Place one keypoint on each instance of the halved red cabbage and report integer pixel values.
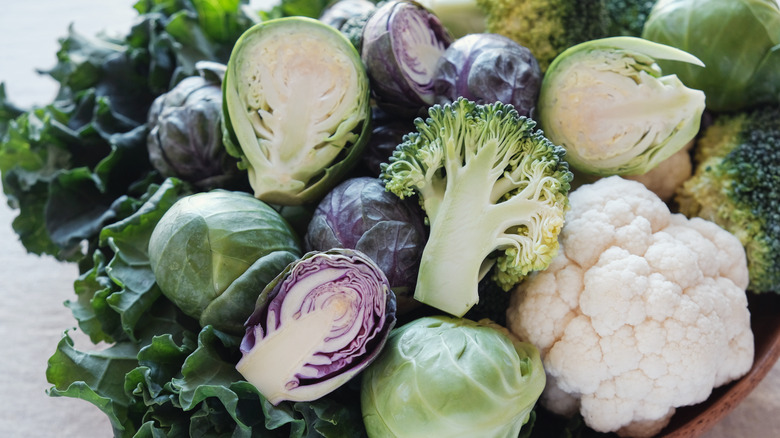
(317, 325)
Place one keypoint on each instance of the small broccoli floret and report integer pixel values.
(494, 191)
(546, 27)
(627, 17)
(737, 185)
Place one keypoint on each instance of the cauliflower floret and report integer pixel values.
(642, 311)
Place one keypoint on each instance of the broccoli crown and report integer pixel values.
(737, 186)
(494, 190)
(627, 17)
(546, 27)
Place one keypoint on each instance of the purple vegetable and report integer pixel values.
(185, 135)
(360, 214)
(402, 42)
(316, 325)
(488, 68)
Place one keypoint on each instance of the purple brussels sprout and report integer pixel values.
(319, 323)
(185, 135)
(349, 17)
(360, 214)
(488, 68)
(402, 43)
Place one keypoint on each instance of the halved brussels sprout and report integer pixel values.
(296, 108)
(608, 104)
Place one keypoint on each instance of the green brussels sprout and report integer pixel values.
(738, 41)
(606, 102)
(213, 253)
(296, 108)
(453, 377)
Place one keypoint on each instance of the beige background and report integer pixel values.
(32, 289)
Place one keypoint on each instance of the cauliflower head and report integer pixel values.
(642, 311)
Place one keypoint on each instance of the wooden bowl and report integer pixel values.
(692, 421)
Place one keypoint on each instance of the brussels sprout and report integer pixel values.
(402, 42)
(296, 108)
(349, 17)
(360, 214)
(608, 104)
(212, 253)
(460, 17)
(453, 377)
(185, 134)
(319, 323)
(737, 40)
(488, 68)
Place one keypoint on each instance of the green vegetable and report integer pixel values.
(74, 165)
(738, 41)
(443, 376)
(213, 253)
(296, 108)
(546, 27)
(460, 17)
(627, 17)
(736, 184)
(494, 192)
(608, 104)
(161, 375)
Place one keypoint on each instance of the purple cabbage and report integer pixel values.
(488, 68)
(360, 214)
(402, 42)
(319, 323)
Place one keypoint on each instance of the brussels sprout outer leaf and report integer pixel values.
(229, 309)
(635, 45)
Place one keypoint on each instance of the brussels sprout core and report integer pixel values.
(297, 101)
(606, 102)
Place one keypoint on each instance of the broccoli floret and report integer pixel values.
(627, 17)
(494, 190)
(546, 27)
(736, 184)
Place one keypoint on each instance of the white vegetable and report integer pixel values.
(642, 311)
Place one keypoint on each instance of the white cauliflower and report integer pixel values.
(641, 312)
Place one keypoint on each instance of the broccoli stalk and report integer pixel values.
(494, 191)
(736, 184)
